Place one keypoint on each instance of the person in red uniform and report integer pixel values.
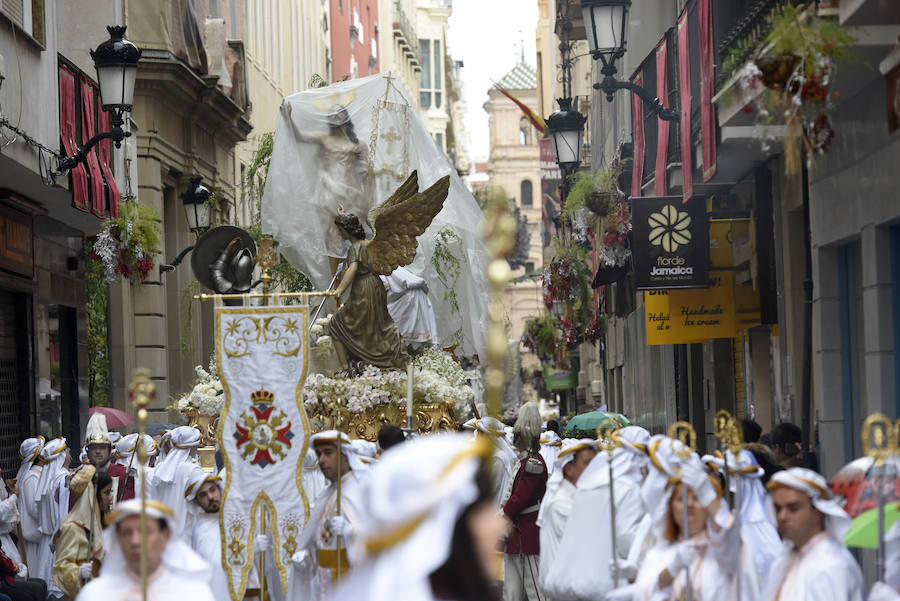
(99, 452)
(523, 499)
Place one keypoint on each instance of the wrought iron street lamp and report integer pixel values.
(197, 210)
(606, 23)
(196, 206)
(567, 130)
(116, 62)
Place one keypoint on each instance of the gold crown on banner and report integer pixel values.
(262, 397)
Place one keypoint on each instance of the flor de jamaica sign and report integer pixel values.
(671, 242)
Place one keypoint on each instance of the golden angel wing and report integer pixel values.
(398, 226)
(406, 191)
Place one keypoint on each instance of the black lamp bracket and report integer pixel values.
(171, 266)
(116, 134)
(610, 85)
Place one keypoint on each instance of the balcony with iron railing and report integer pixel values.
(406, 35)
(740, 28)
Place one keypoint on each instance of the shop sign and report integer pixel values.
(719, 311)
(688, 316)
(551, 177)
(560, 379)
(671, 242)
(16, 242)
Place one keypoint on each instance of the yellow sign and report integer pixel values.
(719, 311)
(688, 316)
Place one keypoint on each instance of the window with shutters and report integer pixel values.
(28, 16)
(93, 185)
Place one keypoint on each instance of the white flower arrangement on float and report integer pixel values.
(207, 396)
(438, 378)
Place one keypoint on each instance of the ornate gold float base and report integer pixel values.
(208, 425)
(427, 417)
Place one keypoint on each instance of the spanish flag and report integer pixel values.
(536, 120)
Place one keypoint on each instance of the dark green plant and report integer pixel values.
(96, 306)
(285, 277)
(448, 267)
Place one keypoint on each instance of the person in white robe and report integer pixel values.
(27, 482)
(312, 479)
(53, 506)
(170, 477)
(760, 543)
(126, 456)
(707, 561)
(574, 574)
(504, 454)
(204, 495)
(574, 456)
(430, 525)
(410, 308)
(174, 570)
(321, 557)
(660, 462)
(551, 444)
(889, 589)
(814, 564)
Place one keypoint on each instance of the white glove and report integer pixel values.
(883, 592)
(684, 555)
(341, 527)
(300, 557)
(623, 569)
(86, 570)
(263, 543)
(695, 475)
(23, 571)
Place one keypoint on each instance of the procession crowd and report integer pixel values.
(492, 512)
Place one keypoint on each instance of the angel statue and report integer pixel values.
(343, 176)
(362, 326)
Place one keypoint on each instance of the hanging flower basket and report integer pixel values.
(599, 203)
(775, 71)
(126, 245)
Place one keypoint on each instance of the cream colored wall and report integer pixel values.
(431, 23)
(393, 59)
(286, 43)
(509, 164)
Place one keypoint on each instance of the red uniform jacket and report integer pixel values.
(116, 471)
(522, 506)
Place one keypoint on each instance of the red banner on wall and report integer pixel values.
(637, 119)
(67, 133)
(707, 89)
(662, 140)
(684, 88)
(98, 189)
(105, 152)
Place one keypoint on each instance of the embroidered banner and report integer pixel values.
(707, 89)
(637, 118)
(684, 89)
(262, 353)
(97, 188)
(662, 127)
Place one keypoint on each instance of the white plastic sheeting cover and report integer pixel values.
(307, 182)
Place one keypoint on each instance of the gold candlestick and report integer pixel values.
(141, 392)
(266, 257)
(500, 230)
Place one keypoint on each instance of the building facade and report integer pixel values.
(356, 33)
(48, 92)
(513, 170)
(190, 111)
(814, 340)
